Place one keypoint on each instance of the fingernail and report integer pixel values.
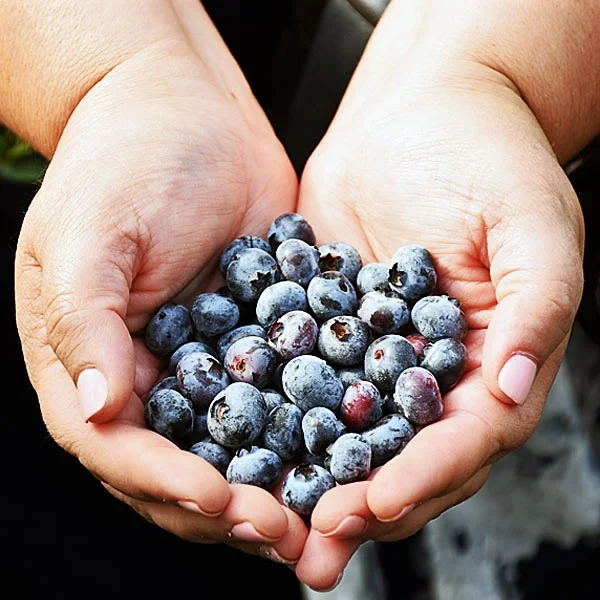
(193, 507)
(351, 526)
(398, 515)
(272, 554)
(516, 377)
(337, 582)
(92, 389)
(247, 532)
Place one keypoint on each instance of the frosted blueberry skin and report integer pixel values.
(373, 277)
(199, 428)
(437, 317)
(342, 257)
(170, 327)
(170, 414)
(304, 485)
(387, 438)
(418, 396)
(309, 381)
(293, 334)
(239, 244)
(350, 375)
(384, 313)
(280, 298)
(214, 314)
(251, 360)
(186, 349)
(446, 359)
(237, 415)
(343, 340)
(236, 334)
(273, 399)
(412, 272)
(305, 457)
(250, 273)
(361, 406)
(320, 428)
(386, 358)
(213, 453)
(331, 294)
(201, 377)
(255, 466)
(166, 383)
(349, 458)
(283, 431)
(298, 261)
(290, 226)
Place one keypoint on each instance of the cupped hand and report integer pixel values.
(161, 164)
(450, 158)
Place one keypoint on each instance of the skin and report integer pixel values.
(451, 134)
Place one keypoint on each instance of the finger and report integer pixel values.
(536, 268)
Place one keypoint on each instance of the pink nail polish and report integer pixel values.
(351, 526)
(516, 377)
(246, 531)
(92, 389)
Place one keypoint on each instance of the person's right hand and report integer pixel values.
(166, 159)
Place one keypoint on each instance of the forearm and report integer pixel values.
(52, 53)
(549, 50)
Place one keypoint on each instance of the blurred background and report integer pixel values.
(532, 532)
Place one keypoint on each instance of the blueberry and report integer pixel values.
(237, 415)
(387, 438)
(385, 313)
(201, 377)
(166, 383)
(320, 428)
(239, 244)
(303, 486)
(418, 395)
(305, 457)
(361, 406)
(290, 226)
(342, 257)
(437, 317)
(373, 277)
(309, 381)
(278, 299)
(293, 334)
(188, 349)
(214, 314)
(236, 334)
(446, 359)
(349, 458)
(412, 272)
(213, 453)
(170, 327)
(283, 431)
(273, 399)
(170, 414)
(331, 294)
(250, 273)
(199, 428)
(386, 358)
(298, 261)
(418, 342)
(350, 375)
(343, 340)
(251, 360)
(255, 466)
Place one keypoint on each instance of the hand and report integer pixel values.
(450, 157)
(162, 163)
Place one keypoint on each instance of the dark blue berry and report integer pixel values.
(170, 414)
(239, 244)
(290, 226)
(387, 438)
(199, 428)
(278, 299)
(412, 272)
(303, 486)
(237, 415)
(166, 383)
(283, 431)
(331, 294)
(437, 317)
(385, 313)
(251, 360)
(343, 340)
(342, 257)
(349, 458)
(255, 466)
(298, 261)
(188, 349)
(373, 277)
(293, 334)
(273, 399)
(320, 428)
(350, 375)
(214, 314)
(236, 334)
(201, 377)
(446, 359)
(418, 396)
(386, 358)
(250, 273)
(213, 453)
(170, 327)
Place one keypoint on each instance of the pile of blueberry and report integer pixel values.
(307, 368)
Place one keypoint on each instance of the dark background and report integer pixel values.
(64, 537)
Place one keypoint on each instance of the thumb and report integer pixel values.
(536, 267)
